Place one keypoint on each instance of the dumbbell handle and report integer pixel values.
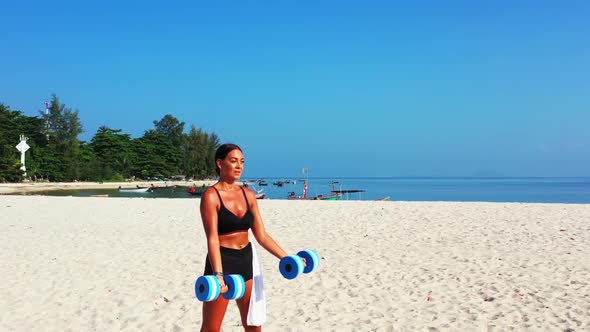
(304, 262)
(208, 288)
(223, 286)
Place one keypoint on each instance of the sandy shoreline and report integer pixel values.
(12, 188)
(129, 264)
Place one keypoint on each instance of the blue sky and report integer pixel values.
(345, 88)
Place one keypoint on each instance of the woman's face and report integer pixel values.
(231, 166)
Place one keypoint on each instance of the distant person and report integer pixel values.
(228, 211)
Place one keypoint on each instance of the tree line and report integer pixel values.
(56, 153)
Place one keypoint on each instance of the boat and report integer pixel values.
(262, 183)
(153, 188)
(282, 182)
(331, 197)
(341, 191)
(134, 190)
(197, 191)
(248, 183)
(259, 193)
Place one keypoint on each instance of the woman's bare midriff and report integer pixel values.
(236, 240)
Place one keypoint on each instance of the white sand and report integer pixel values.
(129, 264)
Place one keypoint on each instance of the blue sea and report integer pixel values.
(535, 190)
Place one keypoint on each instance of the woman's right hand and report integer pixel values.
(224, 287)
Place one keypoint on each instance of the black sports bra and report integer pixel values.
(228, 222)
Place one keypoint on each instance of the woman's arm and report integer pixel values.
(259, 231)
(209, 207)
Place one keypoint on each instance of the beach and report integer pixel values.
(32, 187)
(129, 264)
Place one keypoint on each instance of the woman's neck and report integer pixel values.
(227, 186)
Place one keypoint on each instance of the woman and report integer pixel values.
(228, 211)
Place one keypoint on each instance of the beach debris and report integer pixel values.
(571, 238)
(519, 294)
(165, 299)
(489, 298)
(563, 230)
(428, 297)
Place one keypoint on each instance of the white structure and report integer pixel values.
(47, 124)
(23, 147)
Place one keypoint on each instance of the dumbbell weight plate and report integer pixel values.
(312, 260)
(291, 266)
(207, 288)
(236, 287)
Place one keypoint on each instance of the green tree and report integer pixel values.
(91, 167)
(57, 154)
(64, 128)
(9, 138)
(193, 161)
(212, 144)
(113, 151)
(156, 155)
(12, 125)
(170, 127)
(199, 153)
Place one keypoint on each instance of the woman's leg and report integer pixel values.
(213, 313)
(244, 305)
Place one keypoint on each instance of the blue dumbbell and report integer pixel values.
(292, 266)
(207, 288)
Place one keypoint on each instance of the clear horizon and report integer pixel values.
(346, 89)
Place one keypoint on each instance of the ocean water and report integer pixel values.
(535, 190)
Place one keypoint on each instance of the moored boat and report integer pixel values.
(197, 191)
(331, 197)
(342, 192)
(134, 190)
(259, 193)
(162, 187)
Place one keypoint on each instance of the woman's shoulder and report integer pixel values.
(248, 191)
(250, 194)
(210, 194)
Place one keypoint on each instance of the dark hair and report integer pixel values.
(222, 151)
